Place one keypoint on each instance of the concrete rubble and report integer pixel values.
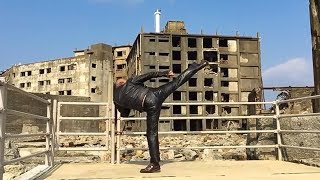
(187, 141)
(15, 149)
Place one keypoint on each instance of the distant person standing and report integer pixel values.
(132, 94)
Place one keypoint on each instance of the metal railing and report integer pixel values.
(276, 131)
(114, 133)
(109, 123)
(281, 116)
(4, 111)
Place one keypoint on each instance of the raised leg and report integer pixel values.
(165, 90)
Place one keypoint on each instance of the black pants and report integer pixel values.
(153, 103)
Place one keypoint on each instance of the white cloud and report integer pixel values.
(294, 72)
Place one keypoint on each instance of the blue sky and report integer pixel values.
(36, 30)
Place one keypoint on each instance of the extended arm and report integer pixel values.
(145, 77)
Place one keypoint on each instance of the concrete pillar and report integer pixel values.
(315, 33)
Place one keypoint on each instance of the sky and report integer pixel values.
(38, 30)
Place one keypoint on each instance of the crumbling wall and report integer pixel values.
(302, 105)
(301, 139)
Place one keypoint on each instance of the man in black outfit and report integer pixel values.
(132, 94)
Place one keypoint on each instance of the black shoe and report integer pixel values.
(151, 168)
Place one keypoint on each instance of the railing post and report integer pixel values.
(112, 135)
(107, 121)
(118, 136)
(48, 155)
(279, 142)
(54, 125)
(58, 125)
(3, 118)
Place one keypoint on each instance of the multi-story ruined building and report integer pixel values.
(120, 54)
(233, 74)
(86, 74)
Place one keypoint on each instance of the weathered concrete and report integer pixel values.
(17, 124)
(86, 74)
(301, 139)
(234, 71)
(240, 170)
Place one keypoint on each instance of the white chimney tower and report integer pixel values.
(157, 20)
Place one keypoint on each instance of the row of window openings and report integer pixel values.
(193, 96)
(193, 109)
(192, 42)
(41, 83)
(69, 67)
(48, 82)
(211, 56)
(47, 70)
(176, 68)
(67, 92)
(208, 82)
(195, 125)
(63, 80)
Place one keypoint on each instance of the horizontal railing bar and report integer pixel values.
(83, 118)
(25, 157)
(27, 94)
(25, 135)
(299, 147)
(204, 147)
(82, 149)
(204, 132)
(297, 99)
(83, 103)
(24, 114)
(80, 134)
(299, 131)
(298, 115)
(217, 103)
(199, 117)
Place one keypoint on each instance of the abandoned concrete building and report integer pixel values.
(120, 54)
(85, 74)
(233, 74)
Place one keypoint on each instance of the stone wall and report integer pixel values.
(301, 139)
(302, 105)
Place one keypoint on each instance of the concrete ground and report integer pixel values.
(196, 170)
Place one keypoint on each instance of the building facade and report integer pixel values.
(86, 74)
(120, 54)
(233, 74)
